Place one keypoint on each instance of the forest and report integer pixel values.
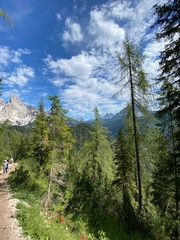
(80, 182)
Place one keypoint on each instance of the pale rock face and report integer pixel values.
(16, 112)
(2, 104)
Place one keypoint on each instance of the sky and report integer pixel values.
(69, 49)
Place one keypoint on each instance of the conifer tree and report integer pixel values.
(41, 136)
(167, 18)
(125, 173)
(124, 156)
(95, 171)
(14, 142)
(162, 175)
(133, 75)
(170, 111)
(99, 153)
(61, 142)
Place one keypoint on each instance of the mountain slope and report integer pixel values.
(115, 123)
(16, 112)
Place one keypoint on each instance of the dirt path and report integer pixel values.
(9, 229)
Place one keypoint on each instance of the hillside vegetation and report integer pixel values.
(81, 183)
(78, 183)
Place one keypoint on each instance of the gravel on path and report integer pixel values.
(9, 227)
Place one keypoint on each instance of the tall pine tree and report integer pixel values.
(61, 143)
(41, 136)
(133, 75)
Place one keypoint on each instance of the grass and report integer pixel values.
(25, 186)
(35, 225)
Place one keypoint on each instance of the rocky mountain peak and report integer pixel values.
(2, 103)
(16, 112)
(108, 116)
(14, 99)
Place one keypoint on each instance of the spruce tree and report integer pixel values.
(167, 18)
(94, 171)
(168, 26)
(61, 143)
(162, 175)
(125, 173)
(41, 136)
(168, 100)
(100, 153)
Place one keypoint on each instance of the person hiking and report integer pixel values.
(10, 161)
(5, 167)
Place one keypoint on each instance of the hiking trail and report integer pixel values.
(9, 227)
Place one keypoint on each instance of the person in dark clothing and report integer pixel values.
(5, 167)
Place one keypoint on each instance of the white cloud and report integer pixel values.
(106, 32)
(120, 9)
(152, 53)
(58, 16)
(58, 82)
(81, 82)
(12, 69)
(72, 32)
(140, 20)
(80, 66)
(114, 18)
(5, 55)
(84, 80)
(153, 49)
(20, 76)
(81, 101)
(8, 56)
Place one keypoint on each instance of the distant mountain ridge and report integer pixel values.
(16, 112)
(116, 122)
(108, 116)
(19, 114)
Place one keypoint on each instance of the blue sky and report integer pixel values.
(68, 48)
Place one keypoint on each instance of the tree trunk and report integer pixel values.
(175, 166)
(48, 197)
(135, 135)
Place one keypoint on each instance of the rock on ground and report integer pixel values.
(9, 227)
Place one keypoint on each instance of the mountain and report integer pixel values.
(116, 122)
(19, 114)
(112, 122)
(108, 116)
(16, 112)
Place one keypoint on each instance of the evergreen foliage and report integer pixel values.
(80, 182)
(90, 187)
(96, 172)
(126, 174)
(60, 144)
(167, 17)
(41, 136)
(82, 133)
(9, 142)
(133, 76)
